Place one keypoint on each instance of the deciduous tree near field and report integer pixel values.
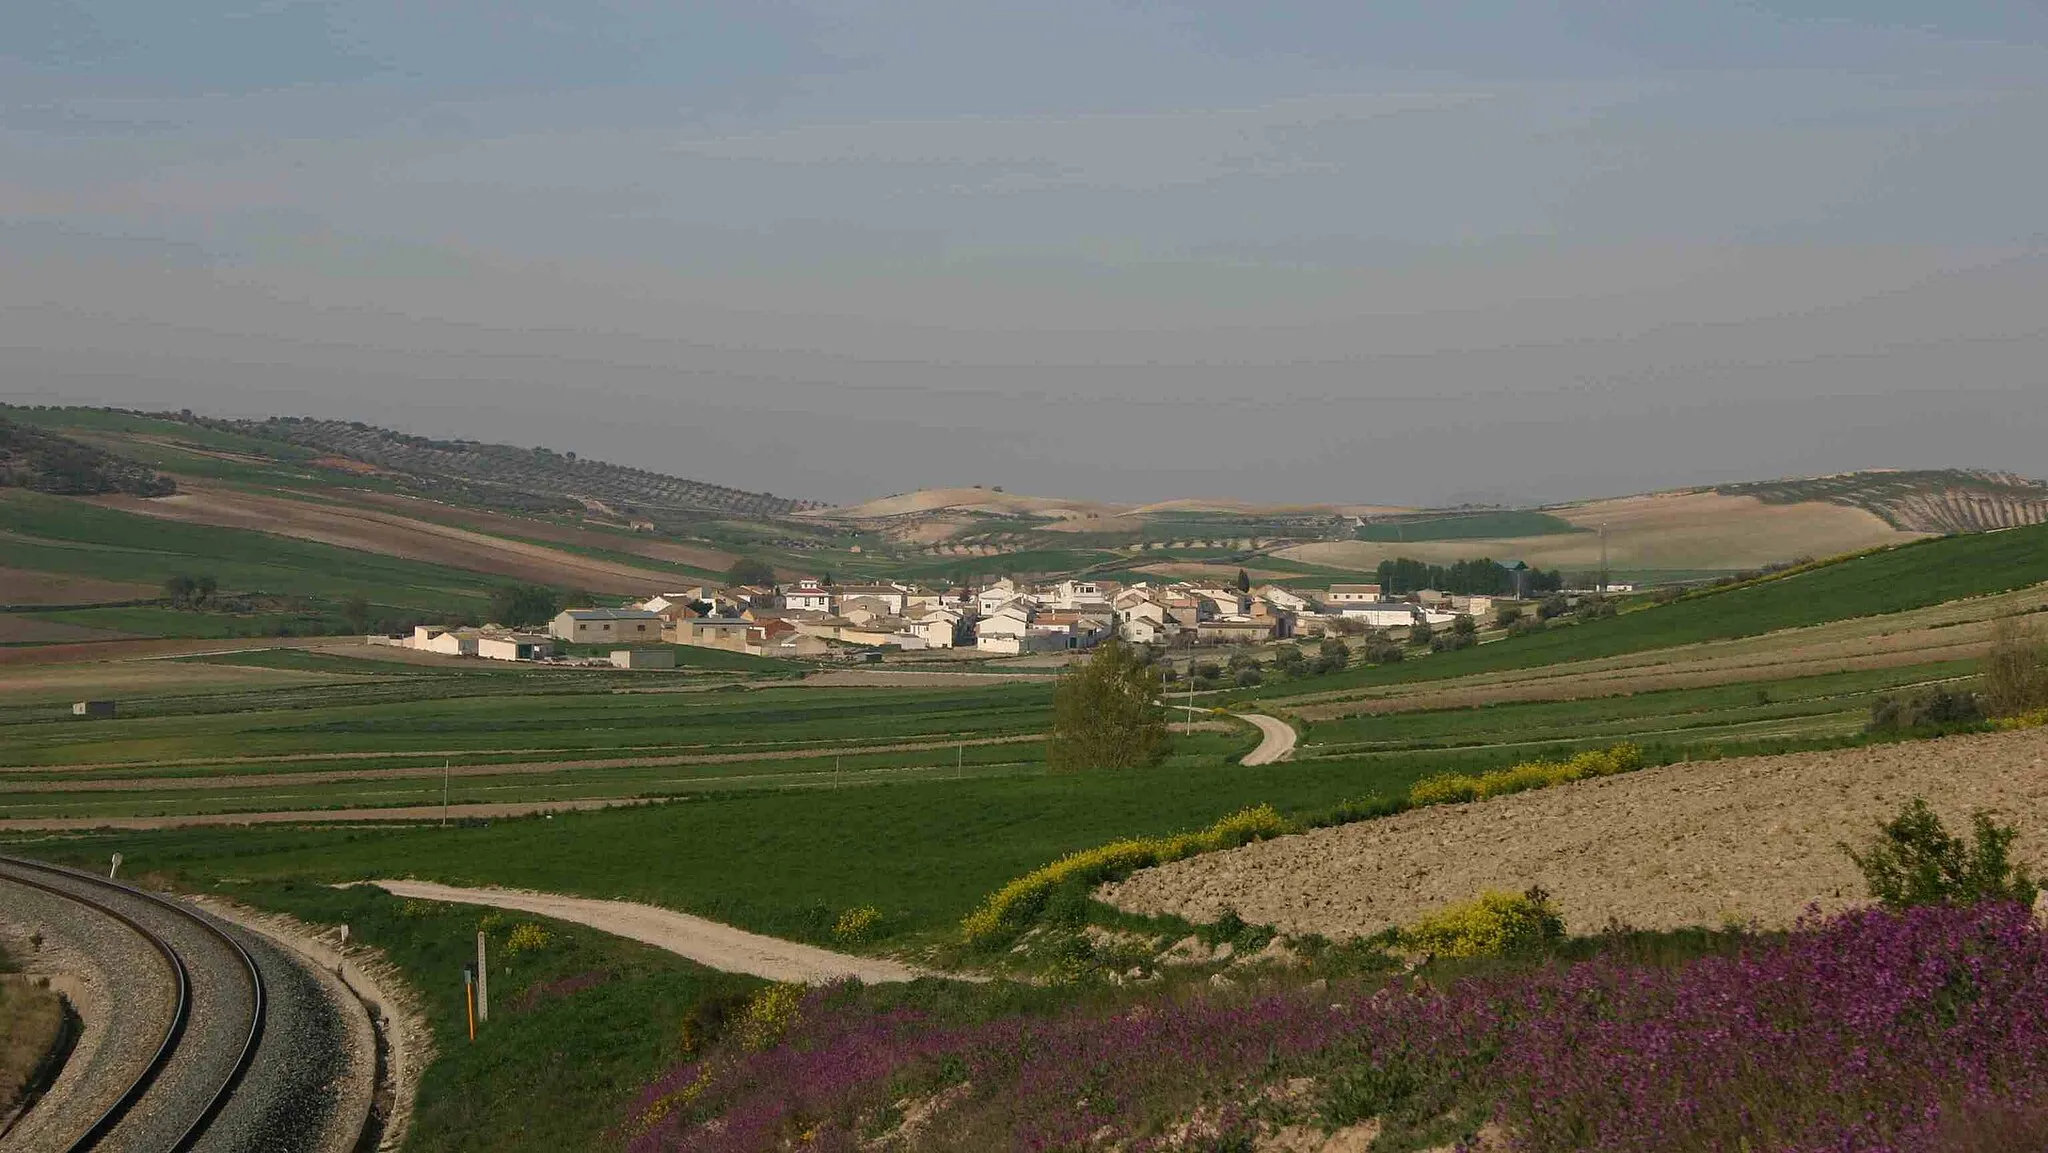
(2016, 668)
(355, 611)
(748, 571)
(524, 605)
(1106, 713)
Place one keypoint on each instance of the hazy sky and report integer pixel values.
(1387, 251)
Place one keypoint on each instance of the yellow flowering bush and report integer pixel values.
(1010, 908)
(769, 1014)
(857, 924)
(1450, 788)
(527, 937)
(2031, 720)
(1493, 924)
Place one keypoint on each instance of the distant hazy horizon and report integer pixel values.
(1294, 253)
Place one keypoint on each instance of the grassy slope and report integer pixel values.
(55, 534)
(481, 714)
(1907, 577)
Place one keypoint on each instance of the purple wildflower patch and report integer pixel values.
(1912, 1032)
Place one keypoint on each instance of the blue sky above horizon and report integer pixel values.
(1406, 252)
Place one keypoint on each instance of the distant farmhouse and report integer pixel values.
(605, 626)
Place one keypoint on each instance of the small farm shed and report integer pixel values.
(644, 659)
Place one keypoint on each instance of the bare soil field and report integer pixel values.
(1700, 843)
(389, 534)
(21, 630)
(505, 524)
(1676, 531)
(23, 587)
(32, 684)
(933, 500)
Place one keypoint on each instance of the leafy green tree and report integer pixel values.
(1381, 649)
(178, 590)
(1420, 633)
(2016, 668)
(748, 571)
(1244, 581)
(524, 606)
(1106, 713)
(1465, 626)
(1287, 659)
(1249, 676)
(1914, 860)
(1332, 655)
(355, 610)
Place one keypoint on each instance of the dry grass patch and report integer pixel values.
(31, 1019)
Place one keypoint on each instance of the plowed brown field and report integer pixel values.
(1750, 838)
(389, 534)
(23, 587)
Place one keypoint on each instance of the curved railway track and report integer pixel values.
(159, 1108)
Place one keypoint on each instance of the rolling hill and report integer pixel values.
(482, 514)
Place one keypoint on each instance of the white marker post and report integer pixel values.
(483, 981)
(115, 867)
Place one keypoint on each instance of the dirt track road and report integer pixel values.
(1276, 739)
(705, 942)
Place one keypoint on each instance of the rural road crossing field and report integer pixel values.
(1276, 743)
(705, 942)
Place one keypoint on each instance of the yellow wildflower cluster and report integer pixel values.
(857, 924)
(2038, 718)
(1449, 788)
(1011, 907)
(526, 938)
(769, 1015)
(670, 1102)
(1489, 926)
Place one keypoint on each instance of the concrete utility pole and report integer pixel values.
(1603, 558)
(444, 794)
(483, 980)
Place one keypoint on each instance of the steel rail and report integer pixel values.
(181, 1010)
(258, 1002)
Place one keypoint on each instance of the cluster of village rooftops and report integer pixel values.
(813, 618)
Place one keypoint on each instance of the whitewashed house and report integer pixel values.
(1342, 595)
(808, 596)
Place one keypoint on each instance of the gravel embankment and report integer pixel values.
(388, 1039)
(121, 989)
(306, 1089)
(1700, 843)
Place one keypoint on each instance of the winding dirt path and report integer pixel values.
(1276, 739)
(706, 942)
